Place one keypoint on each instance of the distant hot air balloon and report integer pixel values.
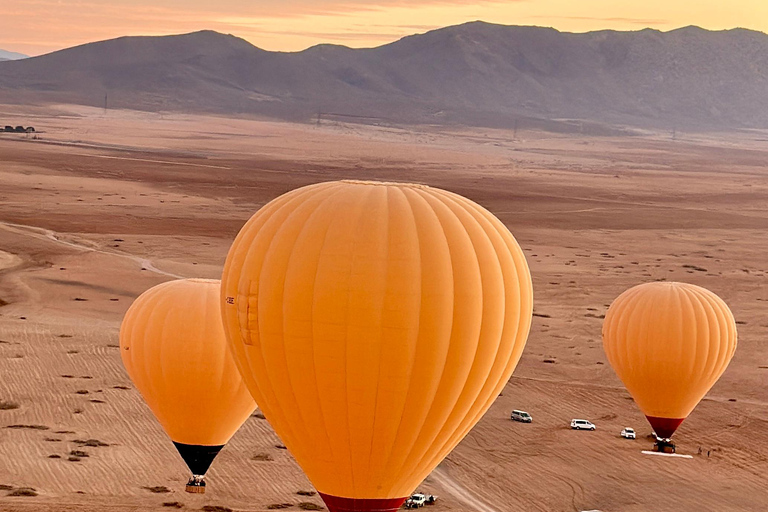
(374, 323)
(173, 345)
(669, 343)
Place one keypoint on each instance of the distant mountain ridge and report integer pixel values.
(6, 55)
(476, 73)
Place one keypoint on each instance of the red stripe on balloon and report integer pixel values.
(339, 504)
(664, 427)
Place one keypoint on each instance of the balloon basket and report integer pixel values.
(664, 446)
(196, 485)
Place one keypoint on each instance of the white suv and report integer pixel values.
(628, 433)
(582, 425)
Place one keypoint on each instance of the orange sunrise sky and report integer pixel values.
(40, 26)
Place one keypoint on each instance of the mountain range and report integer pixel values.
(475, 74)
(6, 55)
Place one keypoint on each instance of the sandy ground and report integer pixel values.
(102, 207)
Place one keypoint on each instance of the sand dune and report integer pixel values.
(99, 211)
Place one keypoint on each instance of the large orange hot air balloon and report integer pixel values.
(173, 345)
(374, 323)
(669, 343)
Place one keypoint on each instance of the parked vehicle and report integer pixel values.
(418, 500)
(628, 433)
(521, 416)
(582, 425)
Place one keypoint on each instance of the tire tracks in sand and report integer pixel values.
(441, 478)
(47, 234)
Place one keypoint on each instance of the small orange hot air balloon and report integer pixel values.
(669, 343)
(173, 346)
(374, 323)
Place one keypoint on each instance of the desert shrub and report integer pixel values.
(23, 491)
(308, 505)
(93, 443)
(157, 489)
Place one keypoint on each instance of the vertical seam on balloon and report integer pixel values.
(520, 264)
(466, 425)
(213, 292)
(692, 313)
(381, 335)
(462, 423)
(678, 309)
(268, 211)
(622, 348)
(424, 195)
(286, 424)
(522, 327)
(713, 367)
(297, 198)
(329, 198)
(362, 200)
(520, 269)
(147, 357)
(385, 463)
(523, 320)
(410, 195)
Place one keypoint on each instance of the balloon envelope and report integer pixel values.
(669, 343)
(374, 323)
(173, 346)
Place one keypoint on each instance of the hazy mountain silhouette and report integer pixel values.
(6, 55)
(476, 73)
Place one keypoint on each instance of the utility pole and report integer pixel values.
(105, 103)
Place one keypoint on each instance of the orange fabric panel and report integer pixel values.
(669, 343)
(374, 323)
(173, 346)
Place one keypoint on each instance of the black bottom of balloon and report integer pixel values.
(198, 457)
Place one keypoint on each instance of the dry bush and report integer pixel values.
(308, 505)
(8, 406)
(23, 491)
(93, 443)
(157, 489)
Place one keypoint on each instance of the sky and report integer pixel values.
(35, 27)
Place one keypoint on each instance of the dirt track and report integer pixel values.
(106, 207)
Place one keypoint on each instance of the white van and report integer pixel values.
(582, 425)
(521, 416)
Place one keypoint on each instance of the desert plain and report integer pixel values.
(103, 205)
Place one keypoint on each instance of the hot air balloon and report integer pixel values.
(173, 346)
(374, 323)
(668, 343)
